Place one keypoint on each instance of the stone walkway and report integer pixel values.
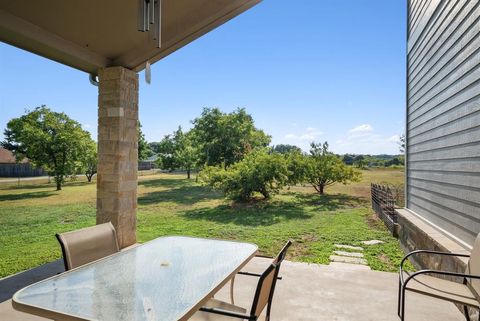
(351, 254)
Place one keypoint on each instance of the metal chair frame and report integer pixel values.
(402, 284)
(275, 265)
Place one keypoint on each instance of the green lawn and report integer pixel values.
(31, 214)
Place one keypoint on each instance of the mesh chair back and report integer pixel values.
(265, 289)
(281, 255)
(88, 244)
(473, 268)
(267, 282)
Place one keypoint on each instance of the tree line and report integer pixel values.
(226, 150)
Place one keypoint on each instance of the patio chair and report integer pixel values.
(424, 281)
(88, 244)
(216, 310)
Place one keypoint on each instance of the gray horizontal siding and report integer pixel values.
(443, 114)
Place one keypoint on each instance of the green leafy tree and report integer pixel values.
(89, 160)
(144, 150)
(186, 155)
(401, 143)
(178, 151)
(224, 139)
(324, 168)
(286, 148)
(48, 139)
(165, 150)
(297, 165)
(258, 172)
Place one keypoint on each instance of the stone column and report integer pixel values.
(117, 151)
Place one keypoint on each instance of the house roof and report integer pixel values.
(7, 157)
(91, 34)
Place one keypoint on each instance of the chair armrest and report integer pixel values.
(472, 276)
(255, 274)
(430, 252)
(226, 313)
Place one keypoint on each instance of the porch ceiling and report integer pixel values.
(90, 34)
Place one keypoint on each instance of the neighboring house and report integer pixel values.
(148, 163)
(10, 168)
(442, 126)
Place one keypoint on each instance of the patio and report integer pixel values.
(312, 292)
(307, 291)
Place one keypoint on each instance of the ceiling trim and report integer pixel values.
(16, 31)
(137, 58)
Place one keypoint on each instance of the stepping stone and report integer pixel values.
(349, 247)
(345, 259)
(372, 242)
(349, 254)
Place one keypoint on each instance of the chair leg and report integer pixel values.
(231, 290)
(399, 295)
(267, 317)
(402, 305)
(465, 312)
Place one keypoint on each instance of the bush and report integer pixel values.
(258, 172)
(324, 168)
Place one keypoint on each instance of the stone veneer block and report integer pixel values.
(117, 151)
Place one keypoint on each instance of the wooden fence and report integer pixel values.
(20, 170)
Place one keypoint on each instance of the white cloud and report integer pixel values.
(363, 139)
(310, 134)
(364, 128)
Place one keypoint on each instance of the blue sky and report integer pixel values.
(306, 70)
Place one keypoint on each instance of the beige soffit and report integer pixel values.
(90, 34)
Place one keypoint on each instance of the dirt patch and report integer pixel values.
(300, 248)
(385, 260)
(373, 221)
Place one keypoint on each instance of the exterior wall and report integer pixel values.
(443, 114)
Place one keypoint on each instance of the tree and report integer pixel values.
(165, 150)
(401, 143)
(286, 148)
(144, 150)
(186, 155)
(89, 160)
(48, 139)
(324, 168)
(178, 151)
(224, 139)
(258, 172)
(348, 159)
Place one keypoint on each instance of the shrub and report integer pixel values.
(324, 168)
(259, 171)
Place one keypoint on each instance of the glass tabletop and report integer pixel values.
(164, 279)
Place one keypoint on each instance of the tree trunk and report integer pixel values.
(188, 173)
(321, 188)
(59, 186)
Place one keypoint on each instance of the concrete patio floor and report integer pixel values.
(307, 292)
(337, 292)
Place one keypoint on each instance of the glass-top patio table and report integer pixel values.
(166, 279)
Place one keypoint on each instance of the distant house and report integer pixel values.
(148, 163)
(10, 168)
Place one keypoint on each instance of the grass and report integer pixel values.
(168, 204)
